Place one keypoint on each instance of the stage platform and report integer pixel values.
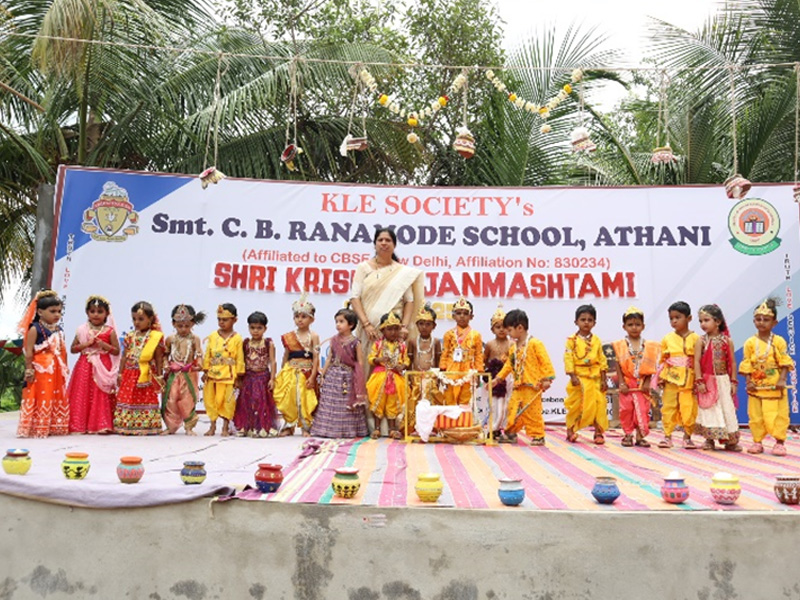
(162, 539)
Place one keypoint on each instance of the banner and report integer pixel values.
(141, 236)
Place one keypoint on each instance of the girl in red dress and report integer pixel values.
(138, 411)
(44, 410)
(94, 378)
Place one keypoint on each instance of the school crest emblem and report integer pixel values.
(111, 217)
(754, 225)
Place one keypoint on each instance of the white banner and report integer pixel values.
(162, 238)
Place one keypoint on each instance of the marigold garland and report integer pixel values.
(544, 110)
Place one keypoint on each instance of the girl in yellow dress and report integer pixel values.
(766, 364)
(386, 387)
(586, 367)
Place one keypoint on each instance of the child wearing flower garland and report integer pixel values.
(636, 364)
(184, 353)
(533, 374)
(462, 352)
(766, 364)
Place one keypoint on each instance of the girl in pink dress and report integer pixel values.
(94, 378)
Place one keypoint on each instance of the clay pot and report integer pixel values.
(736, 187)
(796, 193)
(725, 488)
(511, 492)
(357, 144)
(75, 465)
(464, 144)
(130, 469)
(345, 482)
(289, 155)
(268, 478)
(605, 490)
(193, 472)
(675, 490)
(17, 461)
(211, 175)
(662, 155)
(429, 487)
(787, 489)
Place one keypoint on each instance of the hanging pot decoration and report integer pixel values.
(663, 155)
(581, 141)
(290, 153)
(351, 143)
(292, 150)
(736, 187)
(796, 193)
(465, 142)
(212, 174)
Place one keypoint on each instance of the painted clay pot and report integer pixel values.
(429, 487)
(511, 492)
(130, 469)
(605, 490)
(17, 461)
(193, 472)
(675, 490)
(787, 489)
(268, 477)
(736, 187)
(725, 488)
(345, 482)
(796, 193)
(75, 465)
(662, 155)
(211, 175)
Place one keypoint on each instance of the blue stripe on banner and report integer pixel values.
(83, 187)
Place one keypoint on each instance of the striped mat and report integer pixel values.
(559, 476)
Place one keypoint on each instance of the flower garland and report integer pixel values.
(544, 110)
(445, 380)
(413, 118)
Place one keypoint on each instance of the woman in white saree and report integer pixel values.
(381, 285)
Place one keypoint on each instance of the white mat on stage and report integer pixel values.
(230, 462)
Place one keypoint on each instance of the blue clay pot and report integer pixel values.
(605, 490)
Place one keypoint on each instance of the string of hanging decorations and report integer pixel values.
(736, 186)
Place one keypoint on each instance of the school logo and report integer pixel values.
(111, 217)
(754, 225)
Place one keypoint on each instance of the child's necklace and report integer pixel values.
(184, 342)
(583, 357)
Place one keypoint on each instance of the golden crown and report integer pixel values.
(633, 310)
(764, 309)
(462, 304)
(425, 314)
(499, 315)
(391, 320)
(224, 313)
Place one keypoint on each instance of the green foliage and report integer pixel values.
(12, 371)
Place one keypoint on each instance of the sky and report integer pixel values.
(625, 22)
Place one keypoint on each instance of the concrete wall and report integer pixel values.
(278, 551)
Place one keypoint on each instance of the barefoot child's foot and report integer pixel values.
(286, 432)
(688, 444)
(779, 449)
(708, 445)
(226, 431)
(756, 448)
(212, 430)
(666, 442)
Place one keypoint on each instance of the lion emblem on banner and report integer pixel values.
(111, 217)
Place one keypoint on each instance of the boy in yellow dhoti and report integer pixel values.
(586, 366)
(295, 386)
(766, 364)
(223, 364)
(386, 387)
(462, 352)
(533, 373)
(676, 377)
